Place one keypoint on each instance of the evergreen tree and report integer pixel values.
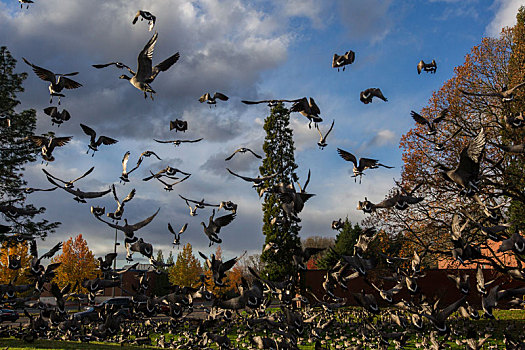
(279, 158)
(344, 244)
(162, 282)
(16, 150)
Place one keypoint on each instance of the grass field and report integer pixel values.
(504, 318)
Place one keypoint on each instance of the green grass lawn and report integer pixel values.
(503, 319)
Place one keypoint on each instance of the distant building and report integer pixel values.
(506, 258)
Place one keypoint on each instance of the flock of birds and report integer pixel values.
(301, 318)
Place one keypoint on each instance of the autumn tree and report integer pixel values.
(186, 270)
(232, 280)
(7, 275)
(472, 103)
(279, 159)
(77, 263)
(16, 151)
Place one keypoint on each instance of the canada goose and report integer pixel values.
(343, 60)
(176, 239)
(515, 149)
(218, 267)
(364, 163)
(94, 144)
(35, 267)
(14, 261)
(117, 214)
(440, 146)
(514, 121)
(427, 67)
(169, 187)
(365, 238)
(141, 247)
(145, 72)
(214, 226)
(257, 181)
(388, 294)
(129, 230)
(462, 282)
(29, 190)
(243, 150)
(302, 257)
(212, 100)
(506, 95)
(119, 65)
(309, 109)
(125, 174)
(491, 299)
(69, 184)
(337, 224)
(48, 144)
(397, 201)
(228, 205)
(22, 2)
(148, 154)
(179, 125)
(367, 301)
(367, 95)
(199, 204)
(438, 317)
(57, 81)
(431, 125)
(57, 118)
(271, 103)
(80, 196)
(322, 139)
(168, 171)
(465, 175)
(178, 142)
(145, 15)
(106, 262)
(516, 243)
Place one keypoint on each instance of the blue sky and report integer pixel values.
(247, 50)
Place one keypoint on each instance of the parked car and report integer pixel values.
(8, 315)
(91, 313)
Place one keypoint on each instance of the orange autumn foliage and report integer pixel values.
(6, 274)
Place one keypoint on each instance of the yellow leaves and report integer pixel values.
(6, 274)
(186, 270)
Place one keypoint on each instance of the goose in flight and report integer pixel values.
(431, 125)
(145, 15)
(69, 184)
(178, 142)
(176, 236)
(212, 99)
(117, 214)
(145, 72)
(440, 146)
(515, 121)
(243, 150)
(257, 181)
(367, 95)
(129, 230)
(117, 64)
(215, 225)
(57, 82)
(141, 247)
(168, 171)
(427, 67)
(125, 174)
(29, 190)
(179, 125)
(95, 143)
(322, 139)
(309, 109)
(169, 187)
(466, 174)
(80, 196)
(506, 95)
(438, 317)
(343, 60)
(218, 267)
(27, 2)
(271, 103)
(48, 144)
(199, 204)
(56, 117)
(364, 163)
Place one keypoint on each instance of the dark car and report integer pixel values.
(8, 315)
(91, 314)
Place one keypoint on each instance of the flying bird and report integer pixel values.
(95, 143)
(179, 125)
(309, 109)
(257, 181)
(212, 100)
(145, 15)
(506, 95)
(343, 60)
(176, 235)
(427, 67)
(168, 171)
(271, 103)
(431, 125)
(48, 144)
(117, 214)
(57, 82)
(178, 142)
(80, 196)
(69, 184)
(364, 163)
(367, 95)
(125, 174)
(215, 225)
(169, 187)
(56, 117)
(145, 72)
(322, 139)
(243, 150)
(27, 2)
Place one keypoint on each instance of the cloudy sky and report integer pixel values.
(248, 50)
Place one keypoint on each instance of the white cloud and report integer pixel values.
(505, 16)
